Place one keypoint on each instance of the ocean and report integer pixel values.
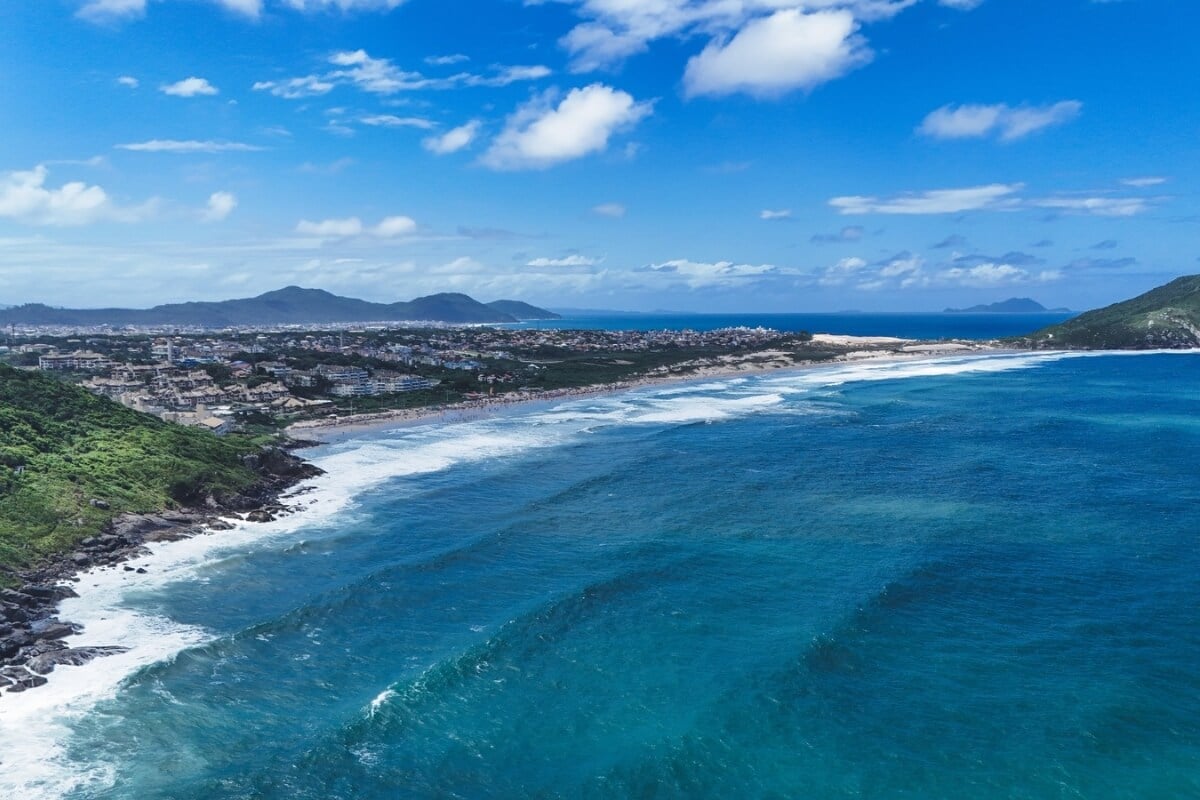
(966, 577)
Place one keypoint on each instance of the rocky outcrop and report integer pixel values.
(33, 640)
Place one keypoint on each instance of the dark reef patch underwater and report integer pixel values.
(971, 577)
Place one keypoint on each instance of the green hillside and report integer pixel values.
(1166, 317)
(61, 448)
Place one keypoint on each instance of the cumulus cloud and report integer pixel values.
(128, 81)
(388, 228)
(611, 210)
(772, 56)
(190, 87)
(220, 206)
(1003, 121)
(25, 197)
(188, 146)
(614, 30)
(541, 135)
(937, 201)
(775, 214)
(392, 227)
(452, 140)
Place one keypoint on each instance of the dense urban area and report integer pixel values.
(270, 377)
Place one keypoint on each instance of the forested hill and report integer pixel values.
(71, 461)
(1166, 317)
(290, 306)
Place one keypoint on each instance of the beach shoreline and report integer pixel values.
(343, 427)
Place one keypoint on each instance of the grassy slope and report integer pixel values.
(76, 447)
(1160, 318)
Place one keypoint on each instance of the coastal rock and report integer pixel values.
(51, 629)
(51, 594)
(260, 516)
(45, 663)
(81, 559)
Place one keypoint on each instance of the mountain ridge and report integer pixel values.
(291, 305)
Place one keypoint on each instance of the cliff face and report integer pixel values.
(1167, 317)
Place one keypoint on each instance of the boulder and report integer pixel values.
(45, 664)
(81, 559)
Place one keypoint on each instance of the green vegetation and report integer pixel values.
(1166, 317)
(70, 461)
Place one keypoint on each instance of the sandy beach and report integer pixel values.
(881, 349)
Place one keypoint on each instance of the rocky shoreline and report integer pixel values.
(34, 640)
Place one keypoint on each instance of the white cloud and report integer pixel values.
(331, 228)
(699, 274)
(296, 88)
(842, 271)
(938, 201)
(24, 197)
(393, 227)
(128, 81)
(388, 228)
(447, 60)
(505, 76)
(567, 261)
(190, 87)
(189, 146)
(220, 206)
(382, 76)
(111, 10)
(1096, 206)
(1146, 182)
(611, 210)
(614, 30)
(344, 6)
(594, 46)
(452, 140)
(250, 8)
(392, 121)
(539, 135)
(768, 214)
(774, 55)
(1007, 122)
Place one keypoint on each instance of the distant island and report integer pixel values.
(1167, 317)
(290, 306)
(1014, 305)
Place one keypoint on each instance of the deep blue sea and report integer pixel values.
(906, 325)
(974, 577)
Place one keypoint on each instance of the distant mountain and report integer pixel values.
(290, 306)
(1166, 317)
(1014, 305)
(522, 311)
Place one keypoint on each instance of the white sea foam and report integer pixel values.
(36, 725)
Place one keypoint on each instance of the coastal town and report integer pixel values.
(272, 377)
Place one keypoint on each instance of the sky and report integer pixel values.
(691, 155)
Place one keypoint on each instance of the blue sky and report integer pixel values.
(777, 155)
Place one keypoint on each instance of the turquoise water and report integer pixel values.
(975, 577)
